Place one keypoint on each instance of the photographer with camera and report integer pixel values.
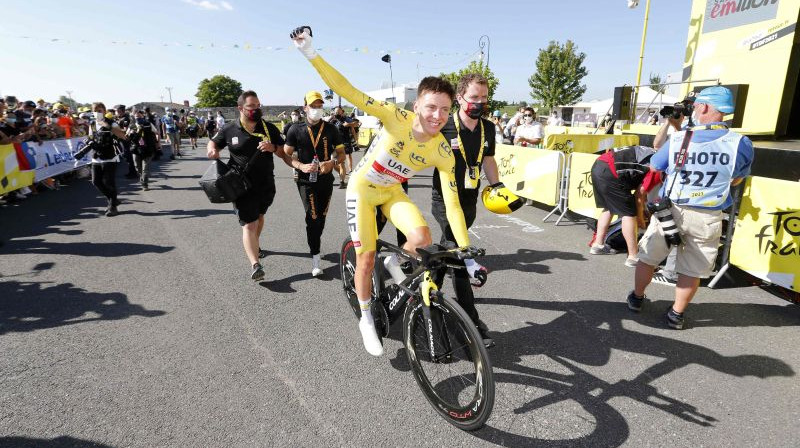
(701, 162)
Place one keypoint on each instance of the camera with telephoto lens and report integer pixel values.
(662, 210)
(680, 109)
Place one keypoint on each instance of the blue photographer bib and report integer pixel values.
(705, 179)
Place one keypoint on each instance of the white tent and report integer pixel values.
(648, 99)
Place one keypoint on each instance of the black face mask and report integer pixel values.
(254, 114)
(141, 121)
(474, 110)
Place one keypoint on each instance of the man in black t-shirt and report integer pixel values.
(345, 127)
(305, 142)
(251, 142)
(472, 140)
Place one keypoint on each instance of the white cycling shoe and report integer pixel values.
(370, 337)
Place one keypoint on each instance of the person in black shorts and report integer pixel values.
(251, 139)
(345, 127)
(210, 125)
(615, 174)
(304, 141)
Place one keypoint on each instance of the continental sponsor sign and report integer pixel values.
(746, 42)
(724, 14)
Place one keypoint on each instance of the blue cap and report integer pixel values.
(497, 113)
(719, 97)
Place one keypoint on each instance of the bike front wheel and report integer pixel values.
(449, 362)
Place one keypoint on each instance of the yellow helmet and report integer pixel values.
(497, 198)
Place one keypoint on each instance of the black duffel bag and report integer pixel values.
(225, 182)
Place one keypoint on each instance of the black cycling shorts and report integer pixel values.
(255, 202)
(610, 193)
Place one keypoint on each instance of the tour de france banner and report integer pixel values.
(766, 241)
(530, 172)
(572, 143)
(53, 157)
(580, 194)
(13, 174)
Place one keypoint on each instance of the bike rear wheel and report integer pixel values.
(458, 382)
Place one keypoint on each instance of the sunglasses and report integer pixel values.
(527, 115)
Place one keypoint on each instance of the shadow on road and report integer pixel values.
(30, 306)
(527, 260)
(284, 285)
(58, 442)
(84, 249)
(585, 334)
(178, 214)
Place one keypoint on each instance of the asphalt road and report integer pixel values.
(144, 330)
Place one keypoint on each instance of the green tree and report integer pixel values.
(656, 83)
(483, 69)
(559, 71)
(219, 91)
(72, 104)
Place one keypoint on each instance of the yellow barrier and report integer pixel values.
(766, 241)
(11, 178)
(365, 136)
(530, 172)
(572, 143)
(580, 193)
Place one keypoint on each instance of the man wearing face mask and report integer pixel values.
(529, 133)
(295, 118)
(143, 146)
(105, 135)
(472, 139)
(251, 142)
(344, 125)
(314, 149)
(702, 163)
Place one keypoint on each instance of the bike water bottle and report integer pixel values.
(312, 176)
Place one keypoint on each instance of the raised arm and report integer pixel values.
(385, 111)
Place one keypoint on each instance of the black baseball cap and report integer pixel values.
(29, 103)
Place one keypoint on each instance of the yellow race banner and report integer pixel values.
(571, 143)
(11, 177)
(530, 172)
(580, 194)
(766, 241)
(365, 136)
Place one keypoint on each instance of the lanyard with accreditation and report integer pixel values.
(472, 174)
(264, 138)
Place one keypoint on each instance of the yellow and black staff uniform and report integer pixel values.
(469, 146)
(307, 140)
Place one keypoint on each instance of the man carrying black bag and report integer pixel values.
(243, 138)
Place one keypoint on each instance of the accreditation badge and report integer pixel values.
(471, 177)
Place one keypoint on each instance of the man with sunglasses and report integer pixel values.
(529, 133)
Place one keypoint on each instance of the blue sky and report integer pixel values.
(90, 59)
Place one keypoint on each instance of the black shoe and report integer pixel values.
(483, 330)
(674, 319)
(635, 303)
(112, 211)
(145, 187)
(262, 253)
(172, 157)
(258, 273)
(131, 176)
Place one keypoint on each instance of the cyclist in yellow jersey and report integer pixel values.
(409, 143)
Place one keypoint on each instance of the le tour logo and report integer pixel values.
(724, 14)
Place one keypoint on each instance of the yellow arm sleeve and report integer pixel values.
(385, 111)
(455, 216)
